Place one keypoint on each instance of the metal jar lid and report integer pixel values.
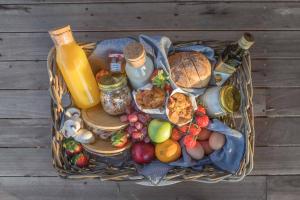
(112, 82)
(230, 98)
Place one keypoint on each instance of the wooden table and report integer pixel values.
(25, 157)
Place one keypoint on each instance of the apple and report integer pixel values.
(196, 152)
(159, 130)
(142, 152)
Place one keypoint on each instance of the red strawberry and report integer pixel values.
(176, 135)
(119, 139)
(72, 147)
(80, 160)
(184, 128)
(200, 110)
(189, 141)
(202, 121)
(195, 129)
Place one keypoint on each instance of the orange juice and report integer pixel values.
(75, 68)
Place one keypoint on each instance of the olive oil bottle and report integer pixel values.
(231, 58)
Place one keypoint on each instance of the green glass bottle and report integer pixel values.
(231, 58)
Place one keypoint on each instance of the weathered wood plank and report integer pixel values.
(25, 133)
(35, 46)
(283, 102)
(252, 188)
(36, 132)
(26, 162)
(276, 161)
(283, 187)
(22, 2)
(276, 73)
(23, 75)
(24, 104)
(146, 16)
(38, 161)
(277, 131)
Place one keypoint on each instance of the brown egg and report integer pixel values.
(197, 152)
(204, 134)
(216, 140)
(206, 147)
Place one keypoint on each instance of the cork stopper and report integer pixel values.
(246, 41)
(135, 54)
(61, 36)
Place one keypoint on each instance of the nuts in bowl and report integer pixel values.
(180, 108)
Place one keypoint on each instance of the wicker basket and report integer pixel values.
(243, 121)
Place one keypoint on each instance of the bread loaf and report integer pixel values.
(190, 69)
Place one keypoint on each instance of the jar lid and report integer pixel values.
(230, 98)
(135, 54)
(112, 82)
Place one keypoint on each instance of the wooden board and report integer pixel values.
(252, 188)
(104, 147)
(283, 187)
(146, 16)
(97, 118)
(38, 44)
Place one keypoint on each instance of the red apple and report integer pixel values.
(142, 152)
(204, 134)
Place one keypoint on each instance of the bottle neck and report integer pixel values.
(63, 38)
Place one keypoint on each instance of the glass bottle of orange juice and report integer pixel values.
(75, 68)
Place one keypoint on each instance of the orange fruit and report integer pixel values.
(168, 151)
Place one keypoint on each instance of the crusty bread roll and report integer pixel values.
(190, 69)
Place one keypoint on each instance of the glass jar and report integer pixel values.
(115, 94)
(220, 101)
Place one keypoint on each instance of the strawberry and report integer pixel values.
(195, 129)
(119, 139)
(184, 128)
(202, 121)
(72, 147)
(80, 160)
(200, 110)
(176, 135)
(189, 141)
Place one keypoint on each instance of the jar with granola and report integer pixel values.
(115, 94)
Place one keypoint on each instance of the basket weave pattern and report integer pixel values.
(242, 121)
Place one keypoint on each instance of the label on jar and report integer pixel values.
(223, 67)
(115, 67)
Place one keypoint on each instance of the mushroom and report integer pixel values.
(84, 136)
(71, 127)
(73, 113)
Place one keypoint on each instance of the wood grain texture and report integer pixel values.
(252, 188)
(276, 161)
(23, 75)
(283, 187)
(26, 162)
(277, 131)
(25, 133)
(24, 104)
(38, 161)
(35, 46)
(146, 16)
